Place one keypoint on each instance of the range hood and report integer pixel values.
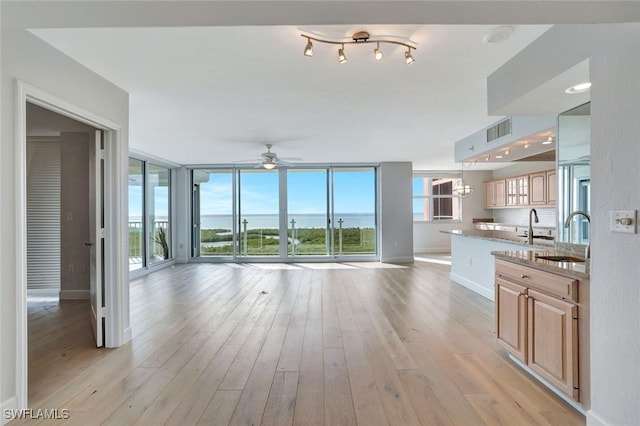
(516, 138)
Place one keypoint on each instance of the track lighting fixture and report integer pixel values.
(341, 56)
(407, 56)
(361, 37)
(377, 52)
(308, 50)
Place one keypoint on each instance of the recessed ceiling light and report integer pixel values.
(498, 156)
(498, 34)
(578, 88)
(549, 141)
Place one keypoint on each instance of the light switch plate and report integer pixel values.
(623, 221)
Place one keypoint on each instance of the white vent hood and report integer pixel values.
(522, 136)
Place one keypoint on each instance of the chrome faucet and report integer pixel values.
(587, 250)
(530, 233)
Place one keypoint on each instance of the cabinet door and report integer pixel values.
(500, 193)
(523, 190)
(511, 318)
(512, 192)
(489, 195)
(552, 341)
(537, 189)
(551, 187)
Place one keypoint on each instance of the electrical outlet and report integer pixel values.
(623, 221)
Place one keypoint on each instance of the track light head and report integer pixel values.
(342, 58)
(377, 52)
(308, 50)
(407, 56)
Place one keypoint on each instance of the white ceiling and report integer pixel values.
(204, 95)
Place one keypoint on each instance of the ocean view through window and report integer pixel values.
(319, 212)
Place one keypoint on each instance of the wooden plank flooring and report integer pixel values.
(304, 344)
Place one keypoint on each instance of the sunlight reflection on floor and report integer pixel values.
(440, 259)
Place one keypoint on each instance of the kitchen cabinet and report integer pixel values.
(489, 195)
(522, 183)
(534, 189)
(552, 186)
(512, 191)
(537, 322)
(538, 189)
(500, 193)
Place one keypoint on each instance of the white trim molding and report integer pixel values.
(482, 291)
(116, 262)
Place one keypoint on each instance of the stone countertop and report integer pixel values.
(502, 236)
(531, 259)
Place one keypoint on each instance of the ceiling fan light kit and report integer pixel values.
(361, 37)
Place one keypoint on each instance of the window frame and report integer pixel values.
(431, 177)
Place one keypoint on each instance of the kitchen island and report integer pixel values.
(473, 265)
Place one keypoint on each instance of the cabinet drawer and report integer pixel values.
(563, 287)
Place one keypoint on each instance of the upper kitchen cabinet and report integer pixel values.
(574, 173)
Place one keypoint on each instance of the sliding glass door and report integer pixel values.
(308, 212)
(213, 212)
(354, 211)
(258, 213)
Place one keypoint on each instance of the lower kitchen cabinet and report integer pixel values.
(537, 322)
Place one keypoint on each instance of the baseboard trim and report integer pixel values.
(593, 419)
(9, 404)
(74, 295)
(432, 250)
(408, 259)
(482, 291)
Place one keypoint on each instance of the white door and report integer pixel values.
(96, 237)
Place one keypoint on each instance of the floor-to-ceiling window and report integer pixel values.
(354, 211)
(292, 212)
(213, 225)
(137, 256)
(258, 212)
(149, 192)
(158, 219)
(308, 212)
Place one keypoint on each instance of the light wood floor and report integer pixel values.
(337, 344)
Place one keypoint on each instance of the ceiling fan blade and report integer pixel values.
(290, 158)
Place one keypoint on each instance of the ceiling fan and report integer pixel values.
(269, 160)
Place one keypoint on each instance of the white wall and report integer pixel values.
(27, 58)
(396, 212)
(615, 130)
(427, 237)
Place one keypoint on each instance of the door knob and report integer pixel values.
(88, 244)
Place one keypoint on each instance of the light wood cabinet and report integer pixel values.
(538, 189)
(552, 186)
(523, 190)
(500, 193)
(537, 322)
(535, 189)
(489, 195)
(512, 192)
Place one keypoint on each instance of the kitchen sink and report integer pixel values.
(560, 258)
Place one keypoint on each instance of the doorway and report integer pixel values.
(64, 205)
(113, 313)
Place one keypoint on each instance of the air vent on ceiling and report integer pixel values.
(499, 130)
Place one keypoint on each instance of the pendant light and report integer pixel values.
(463, 189)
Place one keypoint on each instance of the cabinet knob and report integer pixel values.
(524, 276)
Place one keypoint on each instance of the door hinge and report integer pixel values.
(100, 312)
(102, 155)
(101, 232)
